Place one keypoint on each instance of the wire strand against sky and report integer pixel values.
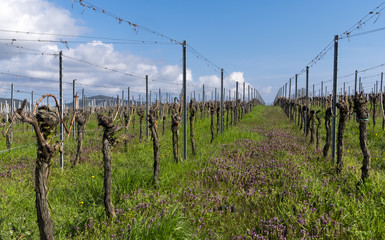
(209, 63)
(38, 52)
(375, 12)
(371, 76)
(367, 32)
(66, 42)
(82, 36)
(12, 45)
(103, 67)
(31, 78)
(134, 26)
(346, 34)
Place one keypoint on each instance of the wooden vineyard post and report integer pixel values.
(313, 98)
(296, 96)
(73, 105)
(307, 102)
(236, 104)
(61, 159)
(382, 102)
(11, 119)
(147, 106)
(319, 121)
(160, 103)
(212, 111)
(223, 98)
(203, 102)
(289, 99)
(355, 82)
(193, 110)
(322, 95)
(359, 85)
(334, 106)
(184, 102)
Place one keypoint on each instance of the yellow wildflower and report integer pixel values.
(93, 176)
(81, 203)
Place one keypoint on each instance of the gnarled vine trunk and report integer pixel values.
(344, 111)
(44, 123)
(312, 126)
(328, 115)
(81, 121)
(108, 140)
(319, 121)
(155, 140)
(175, 121)
(362, 118)
(140, 112)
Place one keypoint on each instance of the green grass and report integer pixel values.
(259, 178)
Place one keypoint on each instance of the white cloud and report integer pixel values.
(266, 90)
(43, 16)
(209, 81)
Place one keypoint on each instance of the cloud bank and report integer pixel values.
(25, 58)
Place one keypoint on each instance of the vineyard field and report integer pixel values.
(259, 179)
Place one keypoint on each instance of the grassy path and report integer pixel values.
(278, 187)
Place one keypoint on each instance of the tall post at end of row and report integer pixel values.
(236, 103)
(322, 94)
(307, 98)
(355, 82)
(83, 96)
(203, 93)
(222, 99)
(73, 105)
(381, 97)
(289, 88)
(61, 159)
(11, 110)
(184, 103)
(296, 86)
(32, 105)
(334, 107)
(128, 100)
(147, 106)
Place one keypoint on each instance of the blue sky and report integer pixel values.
(267, 41)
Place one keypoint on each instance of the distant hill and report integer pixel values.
(17, 102)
